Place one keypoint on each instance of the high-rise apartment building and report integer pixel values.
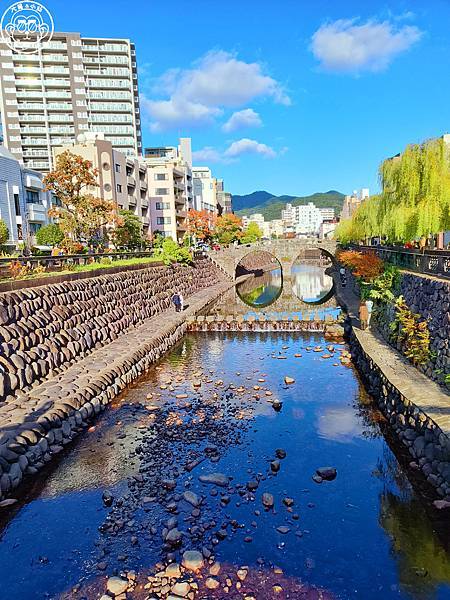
(302, 220)
(71, 86)
(223, 198)
(170, 188)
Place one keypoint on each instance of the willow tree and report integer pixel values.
(416, 191)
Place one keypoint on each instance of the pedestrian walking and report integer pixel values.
(180, 296)
(176, 301)
(363, 315)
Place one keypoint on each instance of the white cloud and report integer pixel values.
(346, 46)
(206, 155)
(247, 146)
(199, 94)
(241, 119)
(166, 114)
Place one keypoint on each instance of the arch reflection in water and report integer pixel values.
(310, 283)
(265, 284)
(261, 290)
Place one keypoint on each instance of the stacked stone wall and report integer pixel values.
(44, 329)
(431, 299)
(427, 444)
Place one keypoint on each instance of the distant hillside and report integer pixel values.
(271, 206)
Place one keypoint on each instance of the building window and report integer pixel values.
(163, 220)
(162, 191)
(32, 197)
(119, 188)
(17, 204)
(117, 168)
(162, 205)
(160, 176)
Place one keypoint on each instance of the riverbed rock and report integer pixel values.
(211, 583)
(192, 560)
(192, 498)
(267, 500)
(218, 479)
(280, 453)
(117, 585)
(289, 380)
(327, 473)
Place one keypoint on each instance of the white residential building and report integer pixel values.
(170, 181)
(205, 196)
(23, 202)
(71, 86)
(302, 220)
(327, 214)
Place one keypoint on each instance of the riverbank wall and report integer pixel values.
(416, 408)
(68, 349)
(422, 426)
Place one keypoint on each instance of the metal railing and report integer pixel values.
(428, 262)
(58, 263)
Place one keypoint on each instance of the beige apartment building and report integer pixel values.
(73, 85)
(170, 188)
(122, 179)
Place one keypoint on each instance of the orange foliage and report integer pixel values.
(363, 265)
(201, 223)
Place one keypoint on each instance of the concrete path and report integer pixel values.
(411, 383)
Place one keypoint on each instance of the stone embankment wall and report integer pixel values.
(431, 299)
(45, 329)
(427, 444)
(67, 349)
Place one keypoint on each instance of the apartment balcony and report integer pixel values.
(36, 213)
(30, 93)
(57, 94)
(57, 82)
(178, 185)
(34, 141)
(35, 154)
(181, 214)
(67, 106)
(32, 118)
(58, 118)
(28, 69)
(55, 58)
(25, 57)
(145, 220)
(105, 60)
(143, 184)
(114, 48)
(30, 106)
(132, 200)
(181, 226)
(131, 181)
(40, 165)
(144, 202)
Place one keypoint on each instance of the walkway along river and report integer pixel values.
(262, 452)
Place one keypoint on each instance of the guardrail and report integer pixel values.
(57, 263)
(428, 262)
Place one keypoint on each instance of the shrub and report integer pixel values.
(4, 233)
(411, 331)
(365, 266)
(49, 235)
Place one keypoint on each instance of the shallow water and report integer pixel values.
(367, 534)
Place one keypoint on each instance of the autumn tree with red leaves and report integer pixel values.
(82, 214)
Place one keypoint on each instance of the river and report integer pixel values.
(208, 407)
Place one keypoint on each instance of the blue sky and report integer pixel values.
(292, 96)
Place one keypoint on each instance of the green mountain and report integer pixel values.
(271, 206)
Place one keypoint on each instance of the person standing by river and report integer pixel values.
(363, 315)
(176, 299)
(369, 307)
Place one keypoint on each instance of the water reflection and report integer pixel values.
(262, 289)
(310, 282)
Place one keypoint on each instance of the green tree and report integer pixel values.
(129, 231)
(228, 229)
(252, 234)
(49, 235)
(4, 233)
(171, 252)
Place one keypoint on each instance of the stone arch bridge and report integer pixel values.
(287, 252)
